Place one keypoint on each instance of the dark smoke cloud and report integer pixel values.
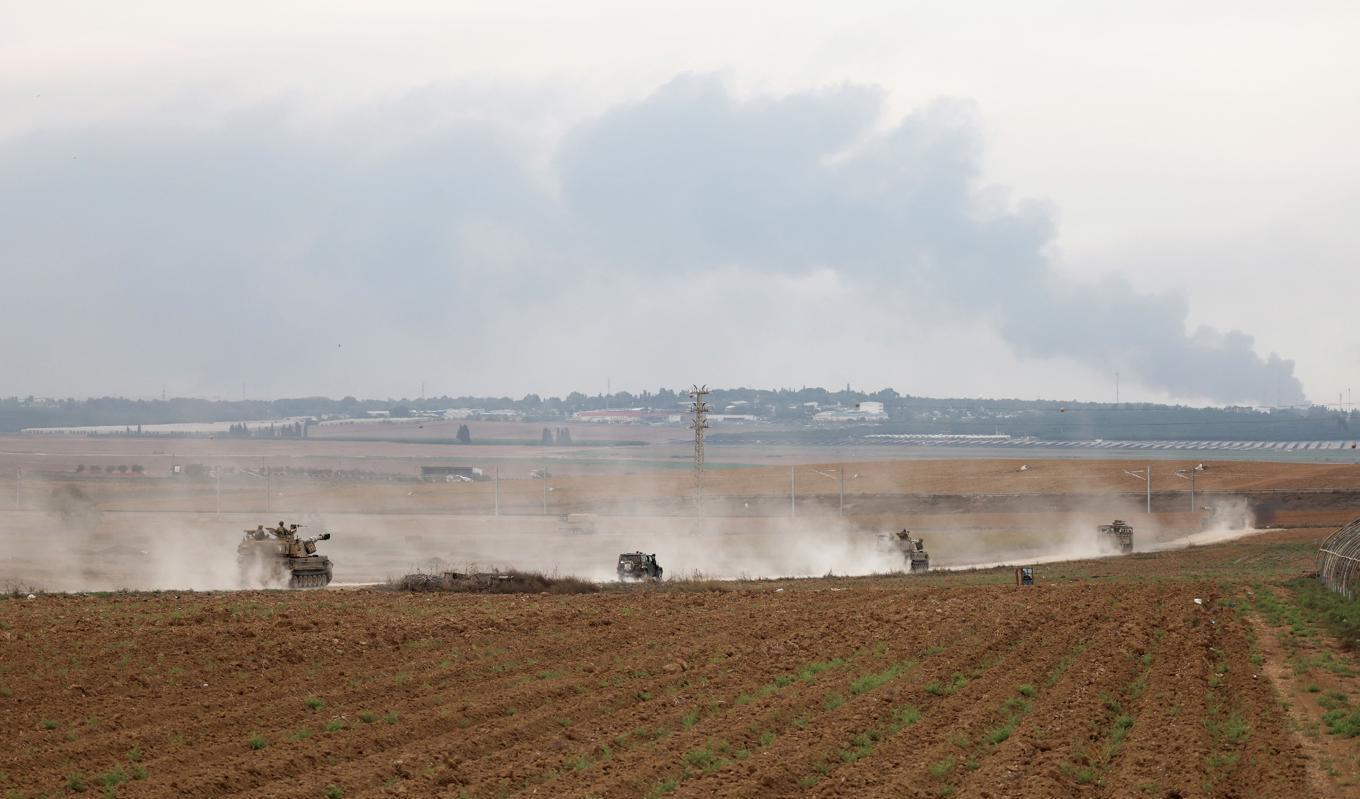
(257, 246)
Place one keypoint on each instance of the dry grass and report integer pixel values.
(509, 582)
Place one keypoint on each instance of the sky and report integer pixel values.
(949, 199)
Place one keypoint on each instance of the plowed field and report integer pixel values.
(1119, 684)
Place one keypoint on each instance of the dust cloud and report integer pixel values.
(68, 543)
(146, 550)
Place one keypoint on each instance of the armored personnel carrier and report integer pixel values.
(272, 556)
(1119, 532)
(638, 566)
(913, 550)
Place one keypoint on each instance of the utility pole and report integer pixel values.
(793, 493)
(18, 487)
(218, 471)
(268, 489)
(545, 488)
(1181, 474)
(840, 477)
(496, 483)
(1146, 475)
(698, 409)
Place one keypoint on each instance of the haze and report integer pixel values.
(318, 198)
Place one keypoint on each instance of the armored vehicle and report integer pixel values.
(579, 524)
(1119, 532)
(638, 566)
(272, 556)
(913, 550)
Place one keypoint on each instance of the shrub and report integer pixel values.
(111, 779)
(257, 742)
(1339, 722)
(1340, 615)
(906, 716)
(997, 735)
(871, 681)
(508, 582)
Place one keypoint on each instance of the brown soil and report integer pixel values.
(1333, 763)
(764, 689)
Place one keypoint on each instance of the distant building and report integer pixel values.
(623, 416)
(862, 412)
(505, 415)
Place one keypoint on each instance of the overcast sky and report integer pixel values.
(946, 198)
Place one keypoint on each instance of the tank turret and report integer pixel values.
(270, 557)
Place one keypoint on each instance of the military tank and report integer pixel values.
(1120, 532)
(273, 556)
(913, 550)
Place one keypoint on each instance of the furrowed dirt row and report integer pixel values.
(876, 688)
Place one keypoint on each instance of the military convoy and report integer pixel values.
(273, 556)
(1119, 532)
(913, 550)
(635, 566)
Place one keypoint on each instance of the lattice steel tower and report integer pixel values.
(698, 409)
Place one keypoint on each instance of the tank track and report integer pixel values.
(309, 580)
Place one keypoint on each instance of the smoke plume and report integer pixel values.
(425, 235)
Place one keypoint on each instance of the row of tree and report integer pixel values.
(1039, 418)
(554, 437)
(242, 430)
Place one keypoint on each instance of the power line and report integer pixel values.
(699, 410)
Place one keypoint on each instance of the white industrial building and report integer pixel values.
(862, 412)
